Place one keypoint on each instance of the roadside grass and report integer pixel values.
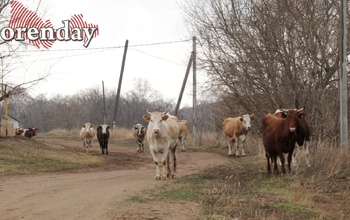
(240, 189)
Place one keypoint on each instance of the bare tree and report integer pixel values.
(263, 54)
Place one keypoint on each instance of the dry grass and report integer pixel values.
(241, 189)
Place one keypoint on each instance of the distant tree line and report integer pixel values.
(71, 111)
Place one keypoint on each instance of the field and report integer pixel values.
(41, 177)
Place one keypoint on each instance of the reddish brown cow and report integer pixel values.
(279, 136)
(303, 133)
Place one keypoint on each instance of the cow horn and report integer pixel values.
(284, 110)
(251, 115)
(301, 109)
(148, 111)
(164, 112)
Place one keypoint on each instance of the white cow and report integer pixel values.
(162, 136)
(87, 133)
(183, 130)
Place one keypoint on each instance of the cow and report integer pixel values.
(303, 134)
(26, 132)
(162, 136)
(183, 130)
(139, 132)
(236, 130)
(102, 137)
(87, 133)
(279, 136)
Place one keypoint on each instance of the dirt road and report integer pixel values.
(99, 194)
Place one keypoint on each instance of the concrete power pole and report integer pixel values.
(119, 85)
(194, 107)
(343, 81)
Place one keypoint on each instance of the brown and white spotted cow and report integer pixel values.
(139, 132)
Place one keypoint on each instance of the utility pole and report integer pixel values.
(343, 81)
(183, 86)
(119, 85)
(194, 107)
(104, 104)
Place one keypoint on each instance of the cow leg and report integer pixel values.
(230, 147)
(172, 163)
(307, 153)
(282, 163)
(156, 162)
(165, 163)
(290, 154)
(275, 167)
(107, 147)
(268, 163)
(242, 138)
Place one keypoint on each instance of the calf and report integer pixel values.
(139, 132)
(162, 136)
(103, 136)
(87, 133)
(236, 130)
(279, 136)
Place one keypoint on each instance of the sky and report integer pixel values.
(159, 48)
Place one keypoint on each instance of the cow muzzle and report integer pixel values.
(156, 131)
(292, 129)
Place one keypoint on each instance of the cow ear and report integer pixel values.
(165, 117)
(135, 127)
(147, 117)
(301, 115)
(252, 117)
(240, 118)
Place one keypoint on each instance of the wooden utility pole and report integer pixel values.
(194, 107)
(119, 85)
(343, 88)
(104, 104)
(183, 86)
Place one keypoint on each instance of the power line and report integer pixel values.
(100, 48)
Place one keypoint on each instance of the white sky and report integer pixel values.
(140, 21)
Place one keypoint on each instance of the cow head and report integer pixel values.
(155, 120)
(88, 127)
(19, 131)
(246, 119)
(103, 128)
(292, 116)
(139, 128)
(33, 131)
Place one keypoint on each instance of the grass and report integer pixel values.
(240, 189)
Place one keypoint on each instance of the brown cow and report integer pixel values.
(235, 130)
(183, 130)
(303, 134)
(279, 136)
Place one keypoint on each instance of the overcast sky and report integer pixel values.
(73, 67)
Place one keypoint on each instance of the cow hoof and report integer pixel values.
(157, 178)
(244, 155)
(164, 178)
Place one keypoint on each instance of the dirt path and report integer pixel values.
(98, 194)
